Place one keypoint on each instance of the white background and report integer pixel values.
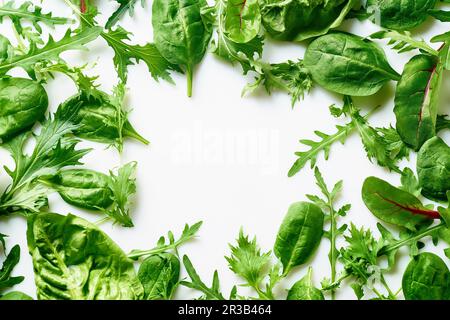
(218, 157)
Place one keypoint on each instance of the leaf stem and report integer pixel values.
(190, 76)
(413, 238)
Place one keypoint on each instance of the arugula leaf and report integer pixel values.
(124, 6)
(318, 146)
(29, 12)
(50, 51)
(53, 150)
(12, 259)
(401, 41)
(247, 261)
(196, 283)
(328, 206)
(163, 245)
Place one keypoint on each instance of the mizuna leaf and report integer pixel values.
(401, 41)
(29, 12)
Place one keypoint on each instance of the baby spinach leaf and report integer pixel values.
(348, 64)
(29, 12)
(50, 51)
(242, 20)
(304, 289)
(426, 278)
(180, 32)
(82, 188)
(159, 275)
(71, 258)
(23, 103)
(101, 117)
(398, 14)
(124, 6)
(416, 100)
(433, 169)
(297, 20)
(15, 295)
(299, 235)
(395, 206)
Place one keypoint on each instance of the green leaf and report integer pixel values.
(291, 77)
(127, 54)
(247, 261)
(395, 206)
(426, 278)
(416, 100)
(29, 12)
(53, 150)
(305, 290)
(50, 51)
(12, 259)
(242, 20)
(348, 64)
(124, 7)
(180, 33)
(71, 258)
(15, 295)
(398, 14)
(401, 41)
(196, 283)
(410, 183)
(316, 147)
(299, 235)
(159, 275)
(440, 15)
(433, 169)
(189, 232)
(23, 103)
(301, 20)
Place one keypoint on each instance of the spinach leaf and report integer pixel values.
(398, 14)
(82, 188)
(297, 20)
(394, 205)
(416, 100)
(426, 278)
(433, 169)
(299, 235)
(102, 118)
(305, 290)
(242, 20)
(181, 33)
(159, 275)
(348, 64)
(23, 103)
(71, 258)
